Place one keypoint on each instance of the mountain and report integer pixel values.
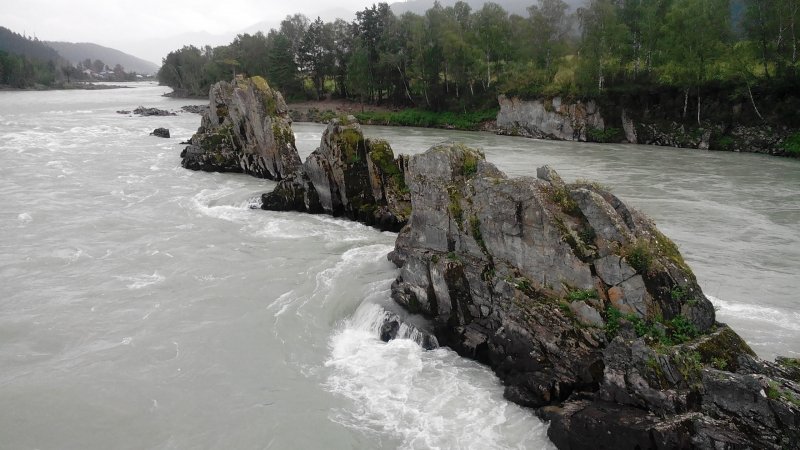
(76, 52)
(18, 44)
(519, 7)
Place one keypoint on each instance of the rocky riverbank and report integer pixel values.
(642, 123)
(585, 311)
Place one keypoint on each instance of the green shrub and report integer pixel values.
(792, 144)
(560, 196)
(639, 255)
(608, 134)
(681, 330)
(613, 316)
(723, 143)
(581, 294)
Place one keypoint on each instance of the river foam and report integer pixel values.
(426, 399)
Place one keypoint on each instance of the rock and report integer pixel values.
(630, 297)
(393, 327)
(613, 270)
(389, 330)
(160, 132)
(586, 314)
(348, 176)
(195, 109)
(245, 129)
(629, 128)
(647, 119)
(548, 118)
(123, 111)
(494, 262)
(142, 111)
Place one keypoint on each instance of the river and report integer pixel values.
(146, 306)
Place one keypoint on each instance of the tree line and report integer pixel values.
(454, 58)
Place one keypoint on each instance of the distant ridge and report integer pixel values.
(18, 44)
(76, 52)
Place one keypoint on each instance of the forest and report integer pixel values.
(27, 62)
(457, 59)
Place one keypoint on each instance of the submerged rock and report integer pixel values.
(584, 310)
(245, 129)
(349, 176)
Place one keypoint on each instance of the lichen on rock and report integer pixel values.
(582, 307)
(350, 176)
(246, 129)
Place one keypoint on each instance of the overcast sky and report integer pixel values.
(147, 28)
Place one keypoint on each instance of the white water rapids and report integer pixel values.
(147, 306)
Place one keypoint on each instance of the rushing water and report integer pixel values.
(146, 306)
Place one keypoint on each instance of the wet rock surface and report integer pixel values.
(160, 132)
(348, 176)
(245, 129)
(142, 111)
(584, 309)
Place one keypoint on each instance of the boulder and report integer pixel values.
(245, 129)
(583, 309)
(348, 176)
(160, 132)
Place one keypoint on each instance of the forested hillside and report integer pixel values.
(455, 58)
(26, 61)
(76, 52)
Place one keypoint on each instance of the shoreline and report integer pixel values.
(65, 87)
(323, 111)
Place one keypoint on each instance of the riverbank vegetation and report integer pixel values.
(458, 59)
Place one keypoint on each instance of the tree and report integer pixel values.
(342, 47)
(602, 39)
(549, 27)
(692, 55)
(315, 57)
(492, 33)
(772, 26)
(184, 71)
(282, 70)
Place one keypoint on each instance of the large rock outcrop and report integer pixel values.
(584, 310)
(550, 118)
(350, 176)
(246, 129)
(649, 118)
